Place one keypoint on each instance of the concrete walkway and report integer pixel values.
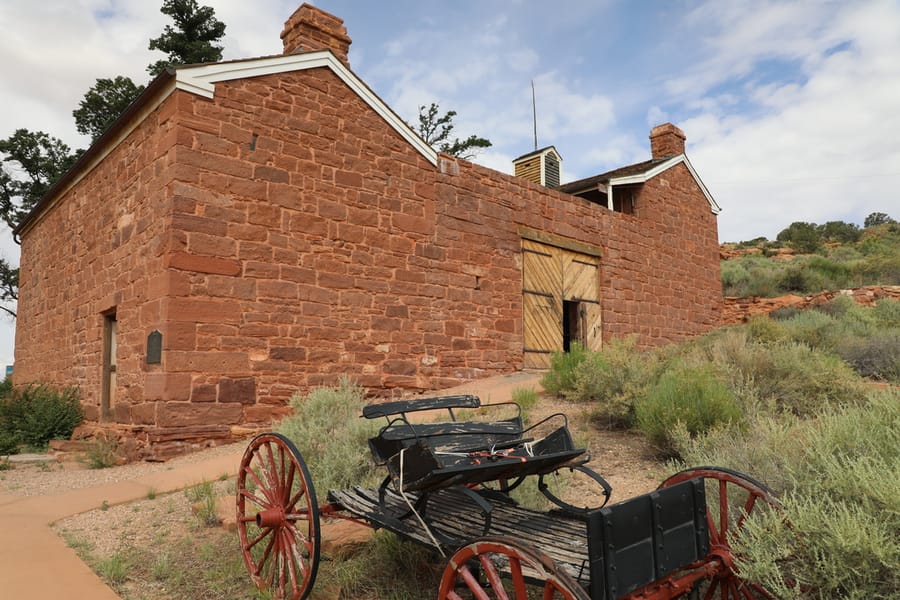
(36, 564)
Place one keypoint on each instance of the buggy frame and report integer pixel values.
(671, 543)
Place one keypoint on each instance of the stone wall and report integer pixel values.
(739, 310)
(282, 234)
(98, 249)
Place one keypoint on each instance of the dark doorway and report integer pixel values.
(108, 393)
(571, 324)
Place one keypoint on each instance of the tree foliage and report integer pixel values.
(9, 287)
(193, 38)
(103, 103)
(840, 232)
(804, 237)
(436, 131)
(877, 218)
(30, 162)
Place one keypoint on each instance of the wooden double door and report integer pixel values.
(561, 301)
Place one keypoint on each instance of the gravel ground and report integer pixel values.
(64, 473)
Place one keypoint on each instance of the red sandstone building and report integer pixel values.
(250, 228)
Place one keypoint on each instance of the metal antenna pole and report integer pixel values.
(534, 113)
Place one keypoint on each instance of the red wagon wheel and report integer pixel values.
(527, 572)
(731, 497)
(278, 517)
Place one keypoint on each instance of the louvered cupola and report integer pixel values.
(540, 166)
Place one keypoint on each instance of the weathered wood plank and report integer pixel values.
(564, 539)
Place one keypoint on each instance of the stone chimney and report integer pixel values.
(666, 140)
(311, 28)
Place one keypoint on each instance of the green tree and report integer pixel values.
(30, 162)
(436, 131)
(193, 38)
(838, 231)
(190, 41)
(103, 103)
(9, 287)
(877, 218)
(804, 237)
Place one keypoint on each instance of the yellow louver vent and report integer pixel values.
(540, 166)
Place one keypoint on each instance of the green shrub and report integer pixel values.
(804, 237)
(752, 275)
(332, 438)
(814, 328)
(526, 398)
(839, 480)
(799, 279)
(9, 443)
(762, 328)
(875, 357)
(886, 313)
(614, 379)
(795, 378)
(35, 414)
(101, 452)
(692, 396)
(561, 376)
(784, 313)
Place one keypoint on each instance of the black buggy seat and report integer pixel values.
(429, 456)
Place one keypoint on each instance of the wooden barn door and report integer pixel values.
(561, 301)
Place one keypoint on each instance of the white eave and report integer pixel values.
(665, 166)
(201, 80)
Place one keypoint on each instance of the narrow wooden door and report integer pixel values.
(542, 303)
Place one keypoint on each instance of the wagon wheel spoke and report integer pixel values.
(275, 495)
(493, 577)
(518, 579)
(532, 574)
(260, 485)
(748, 508)
(732, 497)
(723, 510)
(255, 499)
(258, 538)
(267, 553)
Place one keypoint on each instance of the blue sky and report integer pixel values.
(790, 108)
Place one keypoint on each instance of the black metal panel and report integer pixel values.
(154, 348)
(386, 409)
(641, 540)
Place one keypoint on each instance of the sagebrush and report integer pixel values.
(332, 438)
(838, 478)
(33, 415)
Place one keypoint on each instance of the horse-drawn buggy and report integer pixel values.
(448, 487)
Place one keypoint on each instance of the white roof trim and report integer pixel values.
(201, 80)
(665, 166)
(543, 152)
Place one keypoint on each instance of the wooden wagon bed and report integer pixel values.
(560, 537)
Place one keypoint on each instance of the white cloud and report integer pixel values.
(821, 149)
(656, 116)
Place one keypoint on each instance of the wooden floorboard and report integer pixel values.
(563, 539)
